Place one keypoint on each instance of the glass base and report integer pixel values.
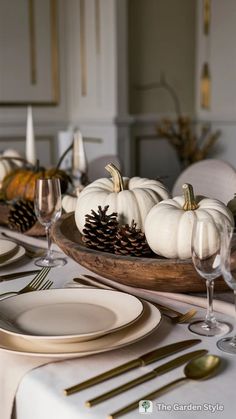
(50, 263)
(227, 345)
(200, 327)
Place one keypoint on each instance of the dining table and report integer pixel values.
(40, 391)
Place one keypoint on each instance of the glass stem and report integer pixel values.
(49, 252)
(210, 318)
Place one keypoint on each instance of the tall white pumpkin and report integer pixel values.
(169, 224)
(131, 198)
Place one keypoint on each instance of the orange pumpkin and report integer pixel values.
(21, 183)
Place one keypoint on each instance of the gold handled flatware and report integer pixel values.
(197, 369)
(143, 360)
(164, 368)
(15, 275)
(174, 315)
(31, 286)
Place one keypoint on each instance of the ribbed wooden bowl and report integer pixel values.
(159, 274)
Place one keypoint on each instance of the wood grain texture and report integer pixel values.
(159, 274)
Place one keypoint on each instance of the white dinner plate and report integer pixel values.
(7, 248)
(145, 325)
(68, 315)
(19, 254)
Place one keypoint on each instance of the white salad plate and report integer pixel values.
(7, 248)
(145, 325)
(20, 253)
(68, 315)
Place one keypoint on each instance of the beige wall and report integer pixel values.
(161, 39)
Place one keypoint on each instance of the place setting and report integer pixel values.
(91, 322)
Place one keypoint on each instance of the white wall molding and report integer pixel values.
(48, 120)
(40, 129)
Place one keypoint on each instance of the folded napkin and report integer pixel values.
(157, 297)
(12, 369)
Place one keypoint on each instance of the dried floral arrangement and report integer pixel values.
(181, 133)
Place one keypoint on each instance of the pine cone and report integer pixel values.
(100, 230)
(131, 241)
(21, 216)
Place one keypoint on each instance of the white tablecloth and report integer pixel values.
(40, 393)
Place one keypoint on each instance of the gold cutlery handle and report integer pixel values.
(102, 377)
(121, 389)
(164, 368)
(15, 275)
(144, 359)
(168, 309)
(7, 294)
(149, 396)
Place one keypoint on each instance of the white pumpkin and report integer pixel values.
(7, 165)
(69, 203)
(169, 224)
(131, 198)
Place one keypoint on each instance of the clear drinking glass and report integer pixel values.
(47, 206)
(205, 247)
(228, 268)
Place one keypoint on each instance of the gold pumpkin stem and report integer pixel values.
(118, 184)
(189, 198)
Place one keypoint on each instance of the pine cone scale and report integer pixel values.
(102, 232)
(21, 216)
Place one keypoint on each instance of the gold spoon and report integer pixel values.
(197, 369)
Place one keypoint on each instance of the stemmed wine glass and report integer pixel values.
(228, 268)
(47, 206)
(205, 248)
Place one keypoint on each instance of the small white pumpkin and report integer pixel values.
(131, 198)
(69, 201)
(9, 164)
(169, 224)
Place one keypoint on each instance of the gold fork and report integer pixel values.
(175, 316)
(31, 286)
(46, 286)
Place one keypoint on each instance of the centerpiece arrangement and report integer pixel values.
(132, 230)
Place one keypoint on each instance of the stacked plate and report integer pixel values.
(10, 252)
(73, 322)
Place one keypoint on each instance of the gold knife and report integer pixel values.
(168, 366)
(143, 360)
(16, 275)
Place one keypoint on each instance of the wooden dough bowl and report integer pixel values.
(158, 274)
